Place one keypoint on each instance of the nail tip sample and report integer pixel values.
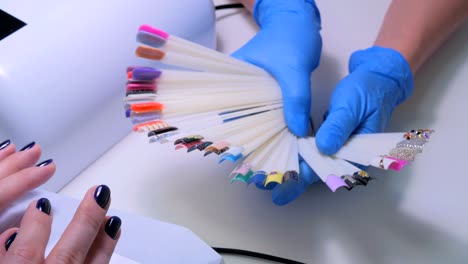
(397, 165)
(334, 183)
(150, 39)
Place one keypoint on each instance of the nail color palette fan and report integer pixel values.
(217, 105)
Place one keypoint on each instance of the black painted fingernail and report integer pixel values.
(113, 226)
(28, 146)
(45, 163)
(10, 240)
(44, 205)
(102, 196)
(5, 144)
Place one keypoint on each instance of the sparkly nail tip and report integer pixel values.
(45, 163)
(405, 151)
(44, 205)
(112, 227)
(412, 144)
(28, 146)
(5, 144)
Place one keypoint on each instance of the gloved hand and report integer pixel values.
(288, 46)
(363, 102)
(289, 191)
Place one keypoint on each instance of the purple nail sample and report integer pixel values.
(145, 74)
(334, 182)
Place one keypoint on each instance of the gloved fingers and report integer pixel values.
(306, 172)
(288, 192)
(295, 87)
(262, 186)
(376, 122)
(335, 130)
(347, 106)
(241, 54)
(371, 125)
(291, 190)
(296, 91)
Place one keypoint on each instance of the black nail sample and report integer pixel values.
(5, 144)
(45, 163)
(44, 205)
(28, 146)
(102, 196)
(204, 145)
(10, 241)
(113, 226)
(192, 148)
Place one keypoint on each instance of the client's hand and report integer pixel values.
(91, 237)
(18, 175)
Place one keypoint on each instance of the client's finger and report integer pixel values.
(104, 245)
(6, 240)
(78, 237)
(16, 185)
(33, 235)
(22, 159)
(6, 149)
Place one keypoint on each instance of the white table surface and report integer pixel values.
(416, 216)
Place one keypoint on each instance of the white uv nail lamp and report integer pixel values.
(61, 65)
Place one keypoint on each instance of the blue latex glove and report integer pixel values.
(289, 191)
(363, 102)
(288, 46)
